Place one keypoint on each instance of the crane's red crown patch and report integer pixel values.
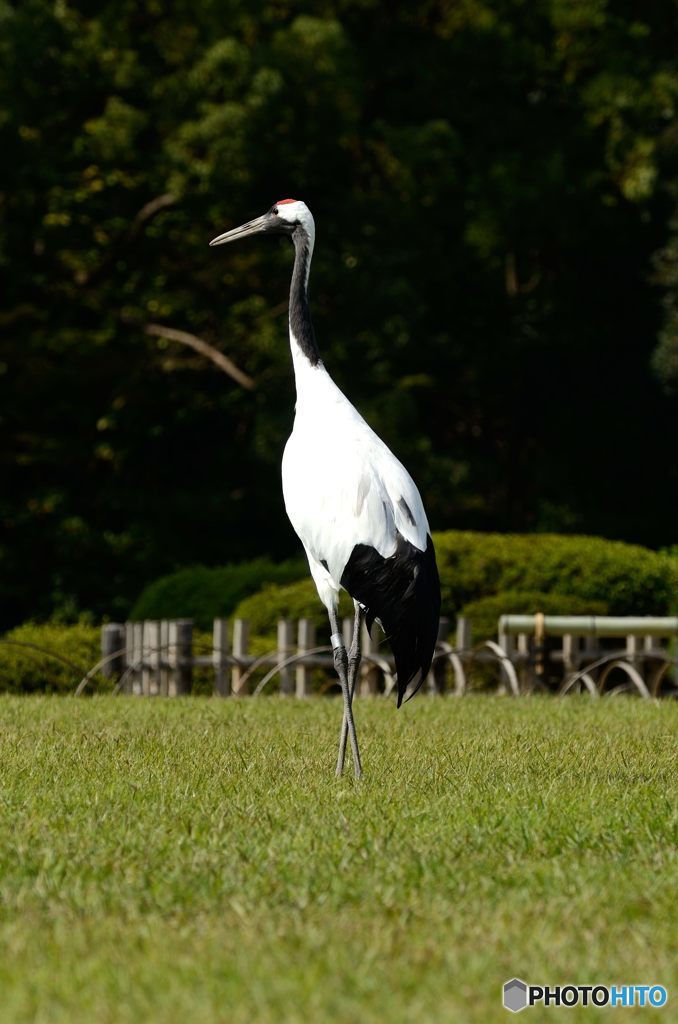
(281, 202)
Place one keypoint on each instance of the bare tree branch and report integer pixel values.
(146, 213)
(205, 349)
(513, 284)
(151, 208)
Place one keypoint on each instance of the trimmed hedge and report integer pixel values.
(629, 579)
(484, 613)
(27, 669)
(295, 601)
(205, 594)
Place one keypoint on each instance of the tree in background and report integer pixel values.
(491, 183)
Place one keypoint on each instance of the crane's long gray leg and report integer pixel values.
(353, 667)
(341, 665)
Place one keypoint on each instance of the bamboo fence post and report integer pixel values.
(368, 671)
(305, 641)
(222, 680)
(129, 657)
(153, 655)
(112, 642)
(436, 676)
(241, 635)
(285, 647)
(163, 657)
(138, 657)
(181, 656)
(464, 635)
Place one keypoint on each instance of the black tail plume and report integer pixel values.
(403, 593)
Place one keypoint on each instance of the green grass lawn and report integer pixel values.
(197, 861)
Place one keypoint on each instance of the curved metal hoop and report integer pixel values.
(43, 650)
(659, 675)
(257, 664)
(621, 660)
(86, 679)
(34, 658)
(632, 673)
(574, 680)
(299, 656)
(504, 661)
(389, 678)
(137, 665)
(451, 655)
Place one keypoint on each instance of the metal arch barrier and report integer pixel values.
(579, 677)
(609, 626)
(33, 657)
(130, 669)
(630, 670)
(89, 675)
(231, 660)
(261, 660)
(295, 656)
(326, 649)
(43, 650)
(451, 655)
(298, 656)
(446, 651)
(505, 662)
(621, 659)
(443, 651)
(379, 662)
(498, 655)
(135, 666)
(658, 676)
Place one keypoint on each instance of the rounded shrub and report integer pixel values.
(47, 658)
(627, 578)
(294, 601)
(484, 613)
(204, 594)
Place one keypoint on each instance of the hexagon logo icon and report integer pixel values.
(515, 995)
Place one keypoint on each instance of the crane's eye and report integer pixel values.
(274, 211)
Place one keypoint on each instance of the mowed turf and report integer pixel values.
(197, 861)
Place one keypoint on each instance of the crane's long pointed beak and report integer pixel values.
(252, 227)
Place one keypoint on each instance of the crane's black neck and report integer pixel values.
(301, 324)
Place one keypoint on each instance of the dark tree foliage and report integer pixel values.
(493, 183)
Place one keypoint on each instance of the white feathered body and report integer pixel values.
(342, 485)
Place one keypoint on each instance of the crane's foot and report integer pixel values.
(357, 764)
(347, 725)
(347, 670)
(353, 669)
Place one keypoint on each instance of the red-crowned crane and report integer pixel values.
(353, 505)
